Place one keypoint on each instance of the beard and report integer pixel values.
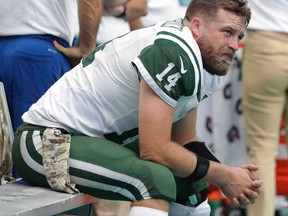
(214, 62)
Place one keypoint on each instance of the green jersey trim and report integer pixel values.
(170, 66)
(179, 42)
(159, 35)
(157, 89)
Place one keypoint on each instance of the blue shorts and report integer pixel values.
(29, 65)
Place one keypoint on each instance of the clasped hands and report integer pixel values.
(242, 186)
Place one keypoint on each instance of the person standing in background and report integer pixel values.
(32, 32)
(161, 10)
(265, 83)
(112, 26)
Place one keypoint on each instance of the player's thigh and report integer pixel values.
(118, 171)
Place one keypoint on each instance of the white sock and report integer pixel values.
(145, 211)
(177, 209)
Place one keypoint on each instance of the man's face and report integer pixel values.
(220, 40)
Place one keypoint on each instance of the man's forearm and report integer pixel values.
(89, 12)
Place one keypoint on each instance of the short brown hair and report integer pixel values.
(209, 8)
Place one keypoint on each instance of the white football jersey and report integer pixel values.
(100, 96)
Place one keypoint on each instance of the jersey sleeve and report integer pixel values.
(170, 69)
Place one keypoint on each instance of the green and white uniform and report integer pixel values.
(97, 103)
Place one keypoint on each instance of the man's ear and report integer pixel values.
(196, 27)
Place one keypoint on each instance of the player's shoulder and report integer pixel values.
(175, 32)
(174, 35)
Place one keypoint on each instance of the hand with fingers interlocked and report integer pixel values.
(242, 186)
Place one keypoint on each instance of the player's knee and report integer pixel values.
(158, 179)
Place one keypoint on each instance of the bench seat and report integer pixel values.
(21, 199)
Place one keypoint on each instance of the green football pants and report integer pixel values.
(102, 168)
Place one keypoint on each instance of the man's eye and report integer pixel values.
(228, 32)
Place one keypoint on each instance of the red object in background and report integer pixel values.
(282, 139)
(282, 177)
(282, 166)
(215, 194)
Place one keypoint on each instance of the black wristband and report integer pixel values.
(123, 14)
(201, 169)
(201, 149)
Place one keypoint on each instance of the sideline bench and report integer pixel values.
(22, 199)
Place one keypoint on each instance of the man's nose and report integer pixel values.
(234, 43)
